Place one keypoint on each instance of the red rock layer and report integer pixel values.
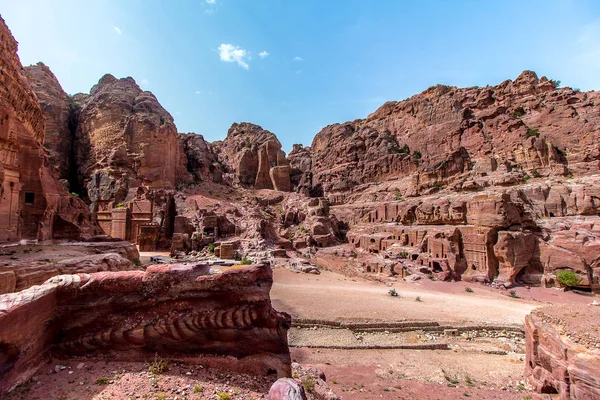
(180, 312)
(562, 352)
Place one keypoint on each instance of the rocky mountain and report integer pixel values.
(488, 184)
(202, 159)
(125, 139)
(254, 155)
(445, 136)
(54, 103)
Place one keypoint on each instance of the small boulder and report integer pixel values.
(287, 389)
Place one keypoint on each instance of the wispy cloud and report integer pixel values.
(210, 6)
(144, 81)
(264, 54)
(297, 58)
(118, 30)
(198, 92)
(231, 53)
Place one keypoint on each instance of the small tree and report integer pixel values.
(568, 278)
(417, 155)
(211, 247)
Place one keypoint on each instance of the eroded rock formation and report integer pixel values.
(126, 139)
(202, 161)
(255, 155)
(34, 205)
(180, 312)
(55, 105)
(562, 357)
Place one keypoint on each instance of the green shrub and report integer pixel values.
(404, 150)
(397, 194)
(158, 366)
(198, 389)
(535, 173)
(393, 292)
(533, 132)
(513, 294)
(309, 383)
(245, 261)
(102, 381)
(526, 178)
(555, 83)
(418, 299)
(468, 290)
(519, 112)
(137, 262)
(568, 278)
(211, 247)
(416, 155)
(74, 194)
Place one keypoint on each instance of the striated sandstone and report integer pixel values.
(561, 353)
(179, 312)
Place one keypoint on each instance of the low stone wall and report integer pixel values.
(179, 312)
(555, 362)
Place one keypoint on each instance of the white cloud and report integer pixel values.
(118, 30)
(211, 1)
(264, 54)
(144, 81)
(231, 53)
(298, 58)
(198, 92)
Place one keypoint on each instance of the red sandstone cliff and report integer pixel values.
(446, 135)
(125, 139)
(54, 103)
(255, 156)
(34, 204)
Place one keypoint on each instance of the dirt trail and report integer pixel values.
(335, 297)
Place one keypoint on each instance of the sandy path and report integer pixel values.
(336, 297)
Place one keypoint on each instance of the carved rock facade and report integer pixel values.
(34, 204)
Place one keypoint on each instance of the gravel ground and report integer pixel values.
(99, 380)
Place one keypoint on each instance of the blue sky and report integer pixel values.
(294, 66)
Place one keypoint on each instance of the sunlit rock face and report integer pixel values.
(254, 155)
(125, 139)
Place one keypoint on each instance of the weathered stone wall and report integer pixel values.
(180, 312)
